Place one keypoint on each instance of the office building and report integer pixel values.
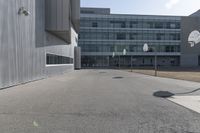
(104, 36)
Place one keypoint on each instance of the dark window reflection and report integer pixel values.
(57, 59)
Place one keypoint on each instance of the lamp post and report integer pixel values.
(131, 64)
(132, 60)
(124, 53)
(146, 49)
(113, 56)
(119, 61)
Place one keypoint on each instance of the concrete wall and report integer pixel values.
(76, 14)
(189, 55)
(60, 16)
(24, 44)
(197, 14)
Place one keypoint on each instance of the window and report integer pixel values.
(172, 26)
(133, 24)
(121, 36)
(94, 24)
(174, 36)
(151, 49)
(169, 49)
(52, 59)
(133, 36)
(160, 36)
(159, 25)
(148, 25)
(118, 24)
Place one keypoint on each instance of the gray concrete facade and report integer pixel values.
(25, 41)
(189, 55)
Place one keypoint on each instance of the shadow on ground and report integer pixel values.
(118, 77)
(167, 94)
(102, 72)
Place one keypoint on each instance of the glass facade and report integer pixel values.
(101, 35)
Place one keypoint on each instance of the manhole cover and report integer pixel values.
(163, 94)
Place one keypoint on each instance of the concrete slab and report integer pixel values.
(190, 102)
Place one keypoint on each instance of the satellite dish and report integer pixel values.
(145, 47)
(113, 55)
(124, 52)
(194, 38)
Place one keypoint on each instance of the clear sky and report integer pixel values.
(151, 7)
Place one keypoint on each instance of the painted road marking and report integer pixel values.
(190, 102)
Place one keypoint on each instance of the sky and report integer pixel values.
(148, 7)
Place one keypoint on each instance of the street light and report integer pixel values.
(124, 53)
(146, 49)
(113, 55)
(132, 60)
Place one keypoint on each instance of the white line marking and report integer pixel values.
(190, 102)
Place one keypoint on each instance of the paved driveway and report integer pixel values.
(97, 101)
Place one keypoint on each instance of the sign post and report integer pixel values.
(146, 49)
(124, 53)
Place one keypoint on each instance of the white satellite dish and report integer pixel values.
(194, 38)
(113, 54)
(124, 52)
(145, 47)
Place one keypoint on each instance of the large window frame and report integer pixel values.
(53, 59)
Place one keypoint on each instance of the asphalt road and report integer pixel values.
(97, 101)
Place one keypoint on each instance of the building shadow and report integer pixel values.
(167, 94)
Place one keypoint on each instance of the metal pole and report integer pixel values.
(119, 61)
(124, 61)
(108, 61)
(131, 63)
(156, 67)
